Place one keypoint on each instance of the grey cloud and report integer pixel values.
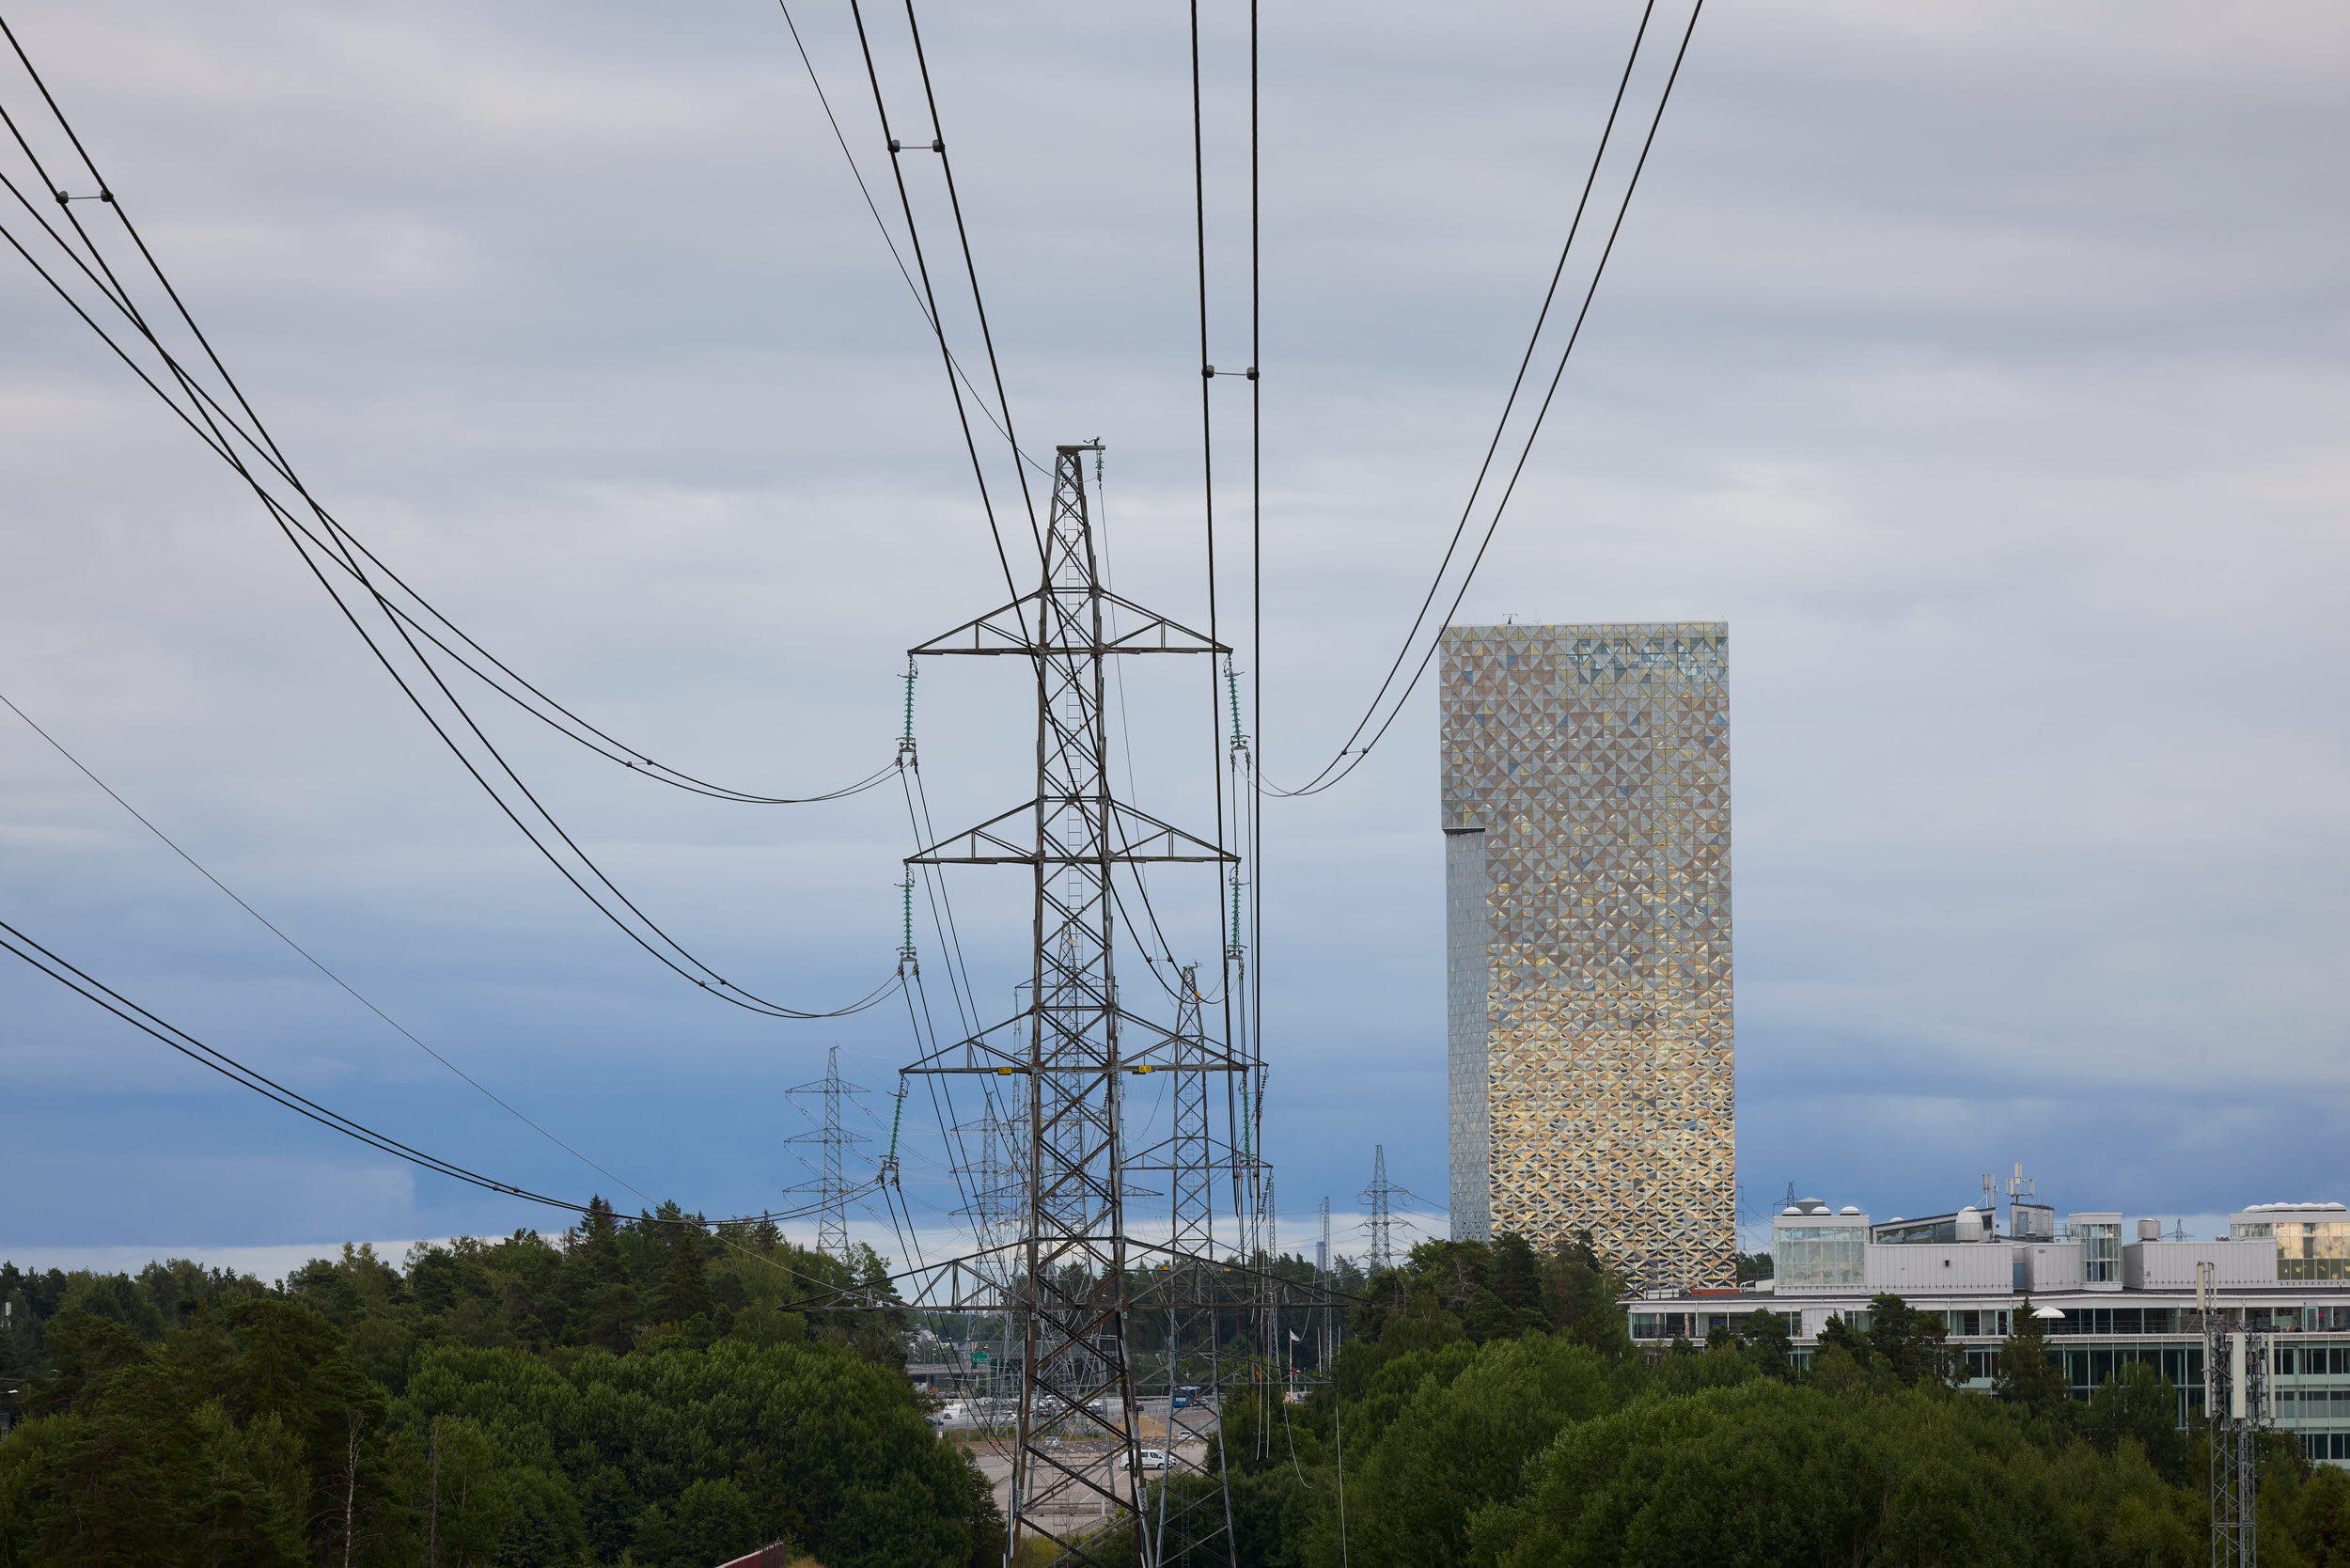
(1979, 363)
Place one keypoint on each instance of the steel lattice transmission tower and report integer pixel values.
(2235, 1399)
(832, 1185)
(1072, 1276)
(1190, 1155)
(1378, 1226)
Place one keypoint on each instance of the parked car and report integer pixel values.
(1153, 1459)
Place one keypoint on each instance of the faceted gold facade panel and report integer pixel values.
(1587, 872)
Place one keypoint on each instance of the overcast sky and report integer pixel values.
(1982, 364)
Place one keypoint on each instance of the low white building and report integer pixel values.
(2109, 1292)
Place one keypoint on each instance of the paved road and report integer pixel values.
(1100, 1464)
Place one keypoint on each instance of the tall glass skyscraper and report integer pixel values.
(1587, 916)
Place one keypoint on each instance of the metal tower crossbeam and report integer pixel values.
(974, 1283)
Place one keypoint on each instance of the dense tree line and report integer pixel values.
(626, 1393)
(1491, 1412)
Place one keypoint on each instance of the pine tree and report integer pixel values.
(684, 1293)
(1488, 1317)
(1583, 1296)
(1839, 1333)
(2139, 1404)
(1516, 1273)
(1768, 1343)
(2028, 1374)
(1913, 1343)
(594, 1243)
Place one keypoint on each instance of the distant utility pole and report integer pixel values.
(831, 1186)
(1321, 1278)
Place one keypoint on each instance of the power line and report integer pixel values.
(91, 989)
(1242, 968)
(676, 957)
(308, 956)
(1340, 765)
(223, 427)
(1252, 818)
(856, 172)
(970, 268)
(930, 294)
(206, 415)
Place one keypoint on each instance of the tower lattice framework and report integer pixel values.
(832, 1185)
(1073, 1276)
(2235, 1405)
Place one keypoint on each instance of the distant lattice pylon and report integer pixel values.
(831, 1140)
(1381, 1221)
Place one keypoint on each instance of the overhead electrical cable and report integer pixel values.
(91, 989)
(1238, 882)
(1254, 849)
(1166, 953)
(950, 948)
(929, 295)
(1233, 998)
(206, 415)
(856, 171)
(225, 428)
(1350, 756)
(308, 956)
(345, 552)
(970, 267)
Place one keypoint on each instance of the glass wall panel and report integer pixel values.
(1819, 1254)
(2101, 1252)
(2314, 1249)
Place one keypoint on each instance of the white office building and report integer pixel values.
(2110, 1291)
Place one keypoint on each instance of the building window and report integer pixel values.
(2101, 1252)
(2314, 1249)
(1819, 1254)
(2306, 1248)
(2116, 1320)
(2086, 1368)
